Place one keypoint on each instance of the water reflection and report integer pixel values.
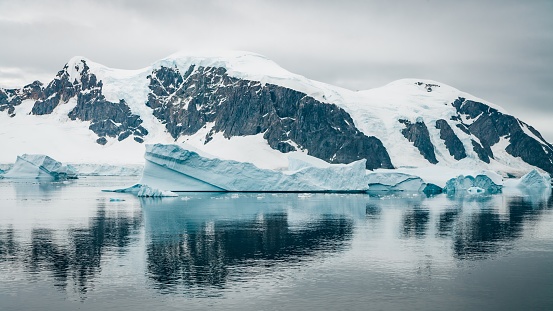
(196, 243)
(202, 244)
(489, 230)
(74, 256)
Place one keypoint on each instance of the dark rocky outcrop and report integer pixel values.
(10, 98)
(483, 153)
(107, 119)
(452, 142)
(287, 118)
(490, 125)
(417, 133)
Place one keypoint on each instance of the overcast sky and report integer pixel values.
(501, 51)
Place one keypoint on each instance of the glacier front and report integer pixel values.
(177, 168)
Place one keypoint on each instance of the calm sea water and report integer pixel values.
(71, 247)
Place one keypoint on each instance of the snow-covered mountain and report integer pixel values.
(242, 106)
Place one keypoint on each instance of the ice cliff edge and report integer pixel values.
(177, 168)
(39, 166)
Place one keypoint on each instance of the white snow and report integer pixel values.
(375, 112)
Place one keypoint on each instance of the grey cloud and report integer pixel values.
(501, 51)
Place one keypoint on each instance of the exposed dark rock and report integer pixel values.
(463, 128)
(107, 119)
(10, 98)
(452, 142)
(428, 86)
(417, 133)
(58, 91)
(482, 153)
(490, 125)
(287, 118)
(531, 151)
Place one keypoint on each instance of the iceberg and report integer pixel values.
(39, 166)
(396, 181)
(535, 180)
(178, 168)
(393, 181)
(488, 184)
(145, 191)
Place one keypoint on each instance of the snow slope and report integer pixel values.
(375, 112)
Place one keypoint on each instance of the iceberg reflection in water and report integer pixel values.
(66, 246)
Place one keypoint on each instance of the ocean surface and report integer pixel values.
(70, 246)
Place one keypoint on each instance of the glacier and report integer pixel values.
(42, 167)
(178, 168)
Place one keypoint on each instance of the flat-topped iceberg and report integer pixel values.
(175, 168)
(39, 166)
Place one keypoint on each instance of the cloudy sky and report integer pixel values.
(501, 51)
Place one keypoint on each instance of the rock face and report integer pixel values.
(107, 119)
(417, 133)
(490, 126)
(288, 119)
(214, 100)
(10, 98)
(452, 142)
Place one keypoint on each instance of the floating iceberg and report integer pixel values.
(38, 166)
(145, 191)
(487, 182)
(178, 169)
(393, 181)
(535, 180)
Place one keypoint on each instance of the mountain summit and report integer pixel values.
(242, 106)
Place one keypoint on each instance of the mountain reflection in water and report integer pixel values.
(201, 244)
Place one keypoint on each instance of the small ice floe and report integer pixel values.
(145, 191)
